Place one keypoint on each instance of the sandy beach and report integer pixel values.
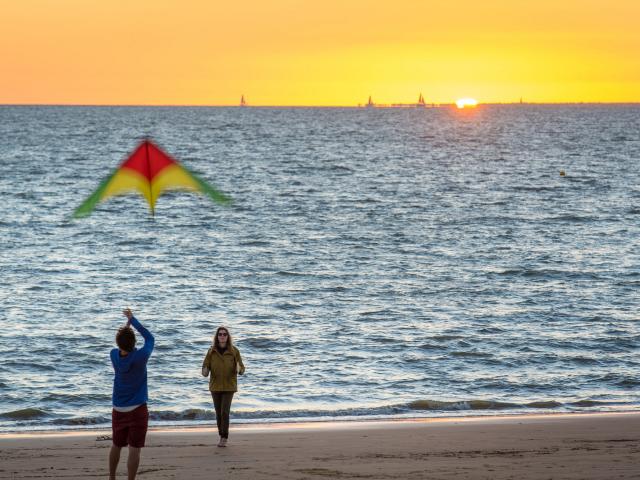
(577, 446)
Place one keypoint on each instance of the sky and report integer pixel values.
(329, 52)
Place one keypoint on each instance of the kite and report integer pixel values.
(149, 171)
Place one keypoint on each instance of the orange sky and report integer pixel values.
(329, 52)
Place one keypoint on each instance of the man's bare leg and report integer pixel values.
(114, 458)
(133, 461)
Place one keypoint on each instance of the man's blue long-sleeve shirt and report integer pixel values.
(130, 380)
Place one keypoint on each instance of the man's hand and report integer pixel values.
(129, 314)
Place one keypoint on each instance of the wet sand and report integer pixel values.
(578, 446)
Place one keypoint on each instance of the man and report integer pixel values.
(130, 417)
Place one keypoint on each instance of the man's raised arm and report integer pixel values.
(149, 341)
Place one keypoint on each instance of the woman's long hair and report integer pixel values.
(216, 342)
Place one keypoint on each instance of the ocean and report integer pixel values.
(374, 263)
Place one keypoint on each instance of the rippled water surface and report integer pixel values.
(374, 262)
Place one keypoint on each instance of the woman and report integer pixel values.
(224, 363)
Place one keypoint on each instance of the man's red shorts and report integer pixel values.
(130, 428)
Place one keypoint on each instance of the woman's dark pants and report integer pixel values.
(222, 404)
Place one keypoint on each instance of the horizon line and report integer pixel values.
(359, 105)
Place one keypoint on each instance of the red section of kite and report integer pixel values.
(148, 160)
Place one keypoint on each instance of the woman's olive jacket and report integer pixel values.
(223, 369)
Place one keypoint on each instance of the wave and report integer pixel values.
(588, 403)
(431, 346)
(548, 404)
(286, 273)
(464, 354)
(73, 397)
(415, 408)
(572, 218)
(621, 138)
(373, 312)
(432, 405)
(339, 168)
(24, 414)
(266, 343)
(446, 337)
(629, 383)
(549, 273)
(189, 414)
(538, 188)
(288, 306)
(80, 421)
(435, 405)
(255, 243)
(489, 405)
(31, 366)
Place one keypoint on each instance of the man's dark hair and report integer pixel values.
(126, 339)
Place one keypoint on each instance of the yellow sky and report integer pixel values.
(329, 52)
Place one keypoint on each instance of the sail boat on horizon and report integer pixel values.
(421, 103)
(243, 102)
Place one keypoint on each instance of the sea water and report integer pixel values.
(374, 262)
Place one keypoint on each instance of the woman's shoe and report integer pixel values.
(223, 442)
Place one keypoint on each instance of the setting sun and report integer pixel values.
(466, 103)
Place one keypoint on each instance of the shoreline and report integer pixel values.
(322, 424)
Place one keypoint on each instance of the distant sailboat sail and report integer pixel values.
(243, 102)
(421, 102)
(370, 102)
